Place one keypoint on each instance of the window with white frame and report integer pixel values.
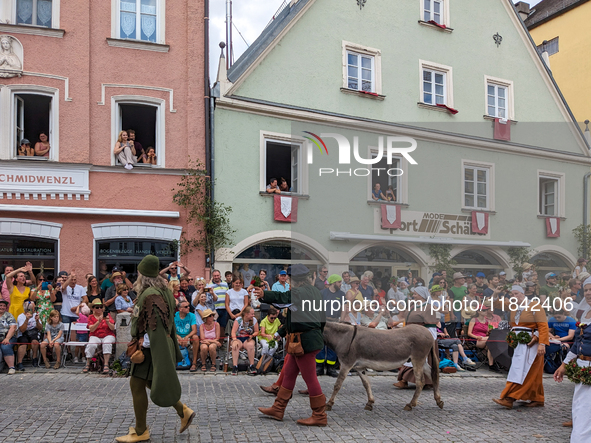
(499, 99)
(476, 187)
(433, 10)
(283, 161)
(32, 118)
(360, 72)
(34, 12)
(138, 20)
(496, 96)
(549, 188)
(386, 180)
(144, 117)
(434, 87)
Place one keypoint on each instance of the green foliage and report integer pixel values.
(211, 219)
(443, 261)
(518, 256)
(582, 234)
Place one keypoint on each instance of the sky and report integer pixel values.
(250, 17)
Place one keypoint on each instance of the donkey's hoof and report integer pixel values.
(368, 407)
(328, 407)
(440, 404)
(408, 407)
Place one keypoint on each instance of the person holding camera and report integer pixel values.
(29, 325)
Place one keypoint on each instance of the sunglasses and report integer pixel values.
(97, 307)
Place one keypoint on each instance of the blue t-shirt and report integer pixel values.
(279, 287)
(377, 194)
(367, 293)
(183, 325)
(561, 328)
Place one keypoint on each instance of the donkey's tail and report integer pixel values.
(435, 373)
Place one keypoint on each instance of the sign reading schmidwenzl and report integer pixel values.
(33, 178)
(432, 224)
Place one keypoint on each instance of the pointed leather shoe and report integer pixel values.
(133, 437)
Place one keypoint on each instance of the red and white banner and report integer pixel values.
(553, 227)
(480, 222)
(285, 209)
(391, 217)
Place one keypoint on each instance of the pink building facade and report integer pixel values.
(80, 72)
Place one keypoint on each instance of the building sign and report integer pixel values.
(431, 224)
(14, 247)
(137, 249)
(35, 181)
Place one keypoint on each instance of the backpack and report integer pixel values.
(185, 363)
(552, 362)
(265, 364)
(97, 362)
(278, 360)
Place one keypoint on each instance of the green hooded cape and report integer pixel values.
(160, 369)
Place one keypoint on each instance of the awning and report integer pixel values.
(430, 240)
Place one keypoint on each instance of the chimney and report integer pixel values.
(523, 9)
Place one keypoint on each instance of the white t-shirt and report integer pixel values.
(395, 295)
(247, 276)
(72, 297)
(21, 321)
(237, 299)
(584, 269)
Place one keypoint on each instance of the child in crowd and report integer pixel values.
(83, 311)
(54, 337)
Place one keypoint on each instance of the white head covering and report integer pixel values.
(517, 288)
(587, 282)
(423, 292)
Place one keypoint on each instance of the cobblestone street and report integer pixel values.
(66, 406)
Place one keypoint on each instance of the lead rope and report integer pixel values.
(352, 338)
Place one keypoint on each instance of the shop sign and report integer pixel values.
(44, 182)
(432, 224)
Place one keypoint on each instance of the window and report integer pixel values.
(16, 251)
(551, 46)
(143, 115)
(283, 160)
(34, 12)
(548, 196)
(551, 194)
(478, 185)
(126, 254)
(32, 118)
(387, 178)
(360, 72)
(436, 84)
(361, 68)
(497, 101)
(433, 10)
(138, 20)
(499, 98)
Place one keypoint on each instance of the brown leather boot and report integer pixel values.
(273, 389)
(568, 424)
(278, 409)
(318, 418)
(507, 402)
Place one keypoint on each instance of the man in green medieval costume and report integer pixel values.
(153, 324)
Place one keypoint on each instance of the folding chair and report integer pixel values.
(72, 327)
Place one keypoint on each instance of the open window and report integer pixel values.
(32, 117)
(388, 178)
(283, 160)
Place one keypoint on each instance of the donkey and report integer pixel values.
(363, 348)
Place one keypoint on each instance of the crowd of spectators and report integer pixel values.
(224, 313)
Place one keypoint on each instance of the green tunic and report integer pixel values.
(309, 322)
(160, 365)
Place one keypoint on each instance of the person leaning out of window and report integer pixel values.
(42, 146)
(25, 149)
(124, 151)
(148, 157)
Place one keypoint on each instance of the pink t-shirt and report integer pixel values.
(82, 318)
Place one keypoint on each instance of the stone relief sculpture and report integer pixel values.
(9, 61)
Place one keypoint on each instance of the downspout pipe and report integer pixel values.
(585, 207)
(207, 99)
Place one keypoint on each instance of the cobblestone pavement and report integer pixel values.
(67, 406)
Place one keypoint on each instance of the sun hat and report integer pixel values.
(458, 275)
(118, 274)
(353, 280)
(206, 313)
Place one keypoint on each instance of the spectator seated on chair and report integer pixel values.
(478, 330)
(269, 327)
(446, 342)
(209, 334)
(123, 302)
(244, 331)
(8, 327)
(29, 328)
(562, 330)
(187, 332)
(54, 337)
(102, 332)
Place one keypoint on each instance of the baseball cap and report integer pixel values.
(25, 141)
(550, 275)
(334, 278)
(283, 272)
(63, 274)
(502, 273)
(480, 274)
(437, 274)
